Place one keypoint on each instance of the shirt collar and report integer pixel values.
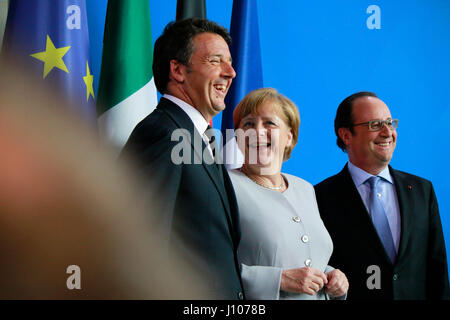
(196, 117)
(359, 176)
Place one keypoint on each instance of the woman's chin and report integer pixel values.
(263, 166)
(259, 157)
(258, 162)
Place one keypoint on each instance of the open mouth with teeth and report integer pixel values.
(220, 89)
(383, 144)
(259, 145)
(260, 153)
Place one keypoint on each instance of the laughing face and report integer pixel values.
(370, 150)
(208, 76)
(266, 138)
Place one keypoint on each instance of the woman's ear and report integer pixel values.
(290, 136)
(288, 144)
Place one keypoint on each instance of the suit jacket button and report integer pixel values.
(241, 296)
(395, 277)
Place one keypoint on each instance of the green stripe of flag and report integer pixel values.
(126, 92)
(127, 52)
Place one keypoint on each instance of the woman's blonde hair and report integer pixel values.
(284, 107)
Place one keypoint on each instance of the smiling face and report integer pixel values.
(369, 150)
(264, 137)
(205, 81)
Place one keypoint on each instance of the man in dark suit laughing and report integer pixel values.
(384, 223)
(191, 194)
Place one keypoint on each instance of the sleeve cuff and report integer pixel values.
(261, 282)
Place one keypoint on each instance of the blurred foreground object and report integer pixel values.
(65, 201)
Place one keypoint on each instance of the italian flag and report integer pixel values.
(127, 91)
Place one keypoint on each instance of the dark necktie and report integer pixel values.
(379, 218)
(209, 133)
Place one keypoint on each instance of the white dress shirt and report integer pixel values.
(196, 117)
(387, 195)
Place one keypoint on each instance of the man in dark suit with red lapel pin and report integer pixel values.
(191, 193)
(384, 223)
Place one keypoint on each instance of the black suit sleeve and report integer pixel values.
(438, 283)
(151, 146)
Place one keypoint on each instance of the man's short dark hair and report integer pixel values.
(176, 42)
(344, 115)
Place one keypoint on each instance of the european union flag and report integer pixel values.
(50, 37)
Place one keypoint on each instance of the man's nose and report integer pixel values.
(386, 130)
(228, 70)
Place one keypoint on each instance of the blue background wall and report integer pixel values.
(319, 52)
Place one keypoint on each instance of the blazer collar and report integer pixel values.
(360, 176)
(215, 172)
(357, 213)
(405, 195)
(196, 117)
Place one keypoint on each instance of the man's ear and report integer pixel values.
(345, 135)
(177, 71)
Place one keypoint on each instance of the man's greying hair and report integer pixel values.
(177, 43)
(344, 115)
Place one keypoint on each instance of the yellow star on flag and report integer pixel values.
(89, 80)
(52, 57)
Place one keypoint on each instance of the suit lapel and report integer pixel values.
(232, 205)
(404, 196)
(182, 120)
(357, 213)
